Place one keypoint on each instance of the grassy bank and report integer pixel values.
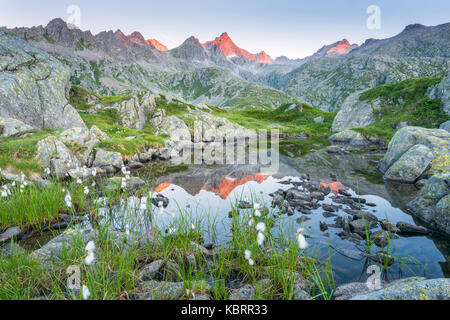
(298, 120)
(403, 101)
(18, 154)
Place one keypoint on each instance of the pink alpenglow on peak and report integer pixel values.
(157, 45)
(343, 47)
(138, 38)
(230, 49)
(264, 58)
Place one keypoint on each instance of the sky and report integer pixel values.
(292, 28)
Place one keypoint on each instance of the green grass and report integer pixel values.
(107, 122)
(18, 154)
(293, 122)
(79, 98)
(403, 101)
(118, 135)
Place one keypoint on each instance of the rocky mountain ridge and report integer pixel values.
(113, 63)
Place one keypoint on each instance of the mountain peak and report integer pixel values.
(263, 57)
(339, 48)
(138, 38)
(156, 44)
(414, 26)
(56, 22)
(229, 48)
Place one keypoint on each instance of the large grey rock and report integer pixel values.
(82, 141)
(355, 113)
(411, 165)
(56, 156)
(105, 158)
(434, 139)
(441, 91)
(432, 204)
(172, 126)
(33, 86)
(349, 137)
(349, 290)
(133, 113)
(210, 127)
(12, 127)
(156, 290)
(411, 289)
(54, 249)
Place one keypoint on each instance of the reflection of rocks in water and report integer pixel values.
(221, 180)
(401, 194)
(356, 171)
(443, 245)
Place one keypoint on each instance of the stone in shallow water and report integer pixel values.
(411, 165)
(411, 289)
(432, 204)
(10, 234)
(160, 290)
(436, 140)
(409, 229)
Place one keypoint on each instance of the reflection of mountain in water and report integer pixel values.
(225, 187)
(221, 180)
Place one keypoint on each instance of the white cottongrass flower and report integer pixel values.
(90, 258)
(256, 206)
(79, 181)
(261, 227)
(90, 246)
(193, 226)
(90, 249)
(124, 183)
(125, 171)
(13, 184)
(68, 200)
(127, 230)
(94, 172)
(247, 254)
(257, 213)
(5, 192)
(47, 171)
(86, 190)
(85, 292)
(260, 239)
(251, 222)
(302, 244)
(93, 184)
(251, 262)
(144, 202)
